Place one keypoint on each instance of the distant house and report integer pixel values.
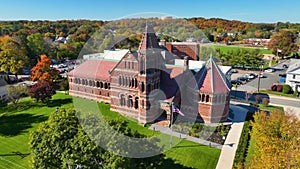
(3, 89)
(293, 74)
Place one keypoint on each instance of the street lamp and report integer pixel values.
(260, 70)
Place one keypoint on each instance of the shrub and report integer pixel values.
(241, 151)
(296, 93)
(257, 99)
(265, 101)
(274, 87)
(279, 88)
(286, 89)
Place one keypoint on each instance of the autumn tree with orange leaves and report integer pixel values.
(43, 72)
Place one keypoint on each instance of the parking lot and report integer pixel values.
(265, 83)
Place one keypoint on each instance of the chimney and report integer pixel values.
(186, 63)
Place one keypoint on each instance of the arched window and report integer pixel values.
(132, 82)
(122, 100)
(128, 65)
(142, 87)
(105, 86)
(90, 83)
(120, 80)
(136, 103)
(125, 64)
(123, 81)
(199, 97)
(126, 81)
(132, 65)
(203, 97)
(100, 93)
(207, 98)
(135, 83)
(108, 85)
(142, 103)
(130, 101)
(101, 84)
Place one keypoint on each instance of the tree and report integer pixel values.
(283, 43)
(61, 142)
(286, 89)
(13, 55)
(275, 140)
(36, 46)
(15, 93)
(42, 91)
(43, 72)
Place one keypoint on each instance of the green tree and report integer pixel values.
(61, 142)
(36, 46)
(13, 55)
(15, 93)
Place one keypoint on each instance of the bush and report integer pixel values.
(279, 88)
(265, 101)
(3, 102)
(241, 151)
(257, 99)
(296, 93)
(286, 89)
(274, 87)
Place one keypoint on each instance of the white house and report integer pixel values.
(293, 74)
(3, 89)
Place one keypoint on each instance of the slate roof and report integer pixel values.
(94, 69)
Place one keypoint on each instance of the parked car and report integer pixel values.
(243, 79)
(262, 75)
(236, 82)
(269, 70)
(285, 66)
(234, 71)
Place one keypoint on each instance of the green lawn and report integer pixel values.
(225, 49)
(271, 107)
(277, 93)
(16, 124)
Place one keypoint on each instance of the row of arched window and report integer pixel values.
(221, 98)
(128, 81)
(129, 65)
(92, 83)
(129, 101)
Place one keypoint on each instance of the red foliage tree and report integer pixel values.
(43, 72)
(42, 91)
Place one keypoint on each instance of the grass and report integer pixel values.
(271, 107)
(277, 93)
(225, 49)
(17, 122)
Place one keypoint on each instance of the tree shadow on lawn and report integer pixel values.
(16, 153)
(15, 124)
(21, 106)
(59, 102)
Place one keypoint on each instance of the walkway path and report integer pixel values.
(231, 143)
(168, 131)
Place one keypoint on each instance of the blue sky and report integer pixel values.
(245, 10)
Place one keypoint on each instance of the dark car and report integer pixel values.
(243, 79)
(236, 82)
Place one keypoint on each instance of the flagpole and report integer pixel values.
(171, 124)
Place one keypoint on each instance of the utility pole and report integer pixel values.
(171, 109)
(261, 67)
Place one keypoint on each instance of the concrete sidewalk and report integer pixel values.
(167, 130)
(231, 143)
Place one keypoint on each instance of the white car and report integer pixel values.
(270, 70)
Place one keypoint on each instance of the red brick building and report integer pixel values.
(182, 49)
(142, 86)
